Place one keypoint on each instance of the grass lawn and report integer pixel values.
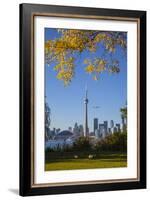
(106, 161)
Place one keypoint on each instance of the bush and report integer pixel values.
(82, 143)
(114, 142)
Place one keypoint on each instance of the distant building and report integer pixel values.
(101, 130)
(114, 129)
(64, 135)
(57, 130)
(53, 133)
(81, 130)
(76, 129)
(62, 139)
(111, 124)
(70, 129)
(95, 124)
(106, 127)
(97, 133)
(54, 130)
(123, 125)
(118, 127)
(91, 134)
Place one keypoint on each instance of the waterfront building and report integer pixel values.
(95, 125)
(101, 130)
(111, 124)
(106, 127)
(118, 127)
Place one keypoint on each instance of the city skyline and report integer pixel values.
(90, 130)
(90, 123)
(97, 125)
(109, 93)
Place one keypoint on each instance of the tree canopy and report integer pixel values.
(64, 50)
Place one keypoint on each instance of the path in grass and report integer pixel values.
(69, 164)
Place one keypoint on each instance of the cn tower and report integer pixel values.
(86, 129)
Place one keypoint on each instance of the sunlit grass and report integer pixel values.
(85, 163)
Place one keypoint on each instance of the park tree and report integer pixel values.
(65, 49)
(47, 120)
(82, 143)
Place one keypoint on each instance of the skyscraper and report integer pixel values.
(95, 124)
(101, 130)
(70, 128)
(123, 125)
(118, 127)
(97, 133)
(111, 124)
(76, 129)
(81, 130)
(106, 127)
(86, 129)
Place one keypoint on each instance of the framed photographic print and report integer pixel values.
(82, 99)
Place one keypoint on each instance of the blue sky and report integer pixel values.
(67, 103)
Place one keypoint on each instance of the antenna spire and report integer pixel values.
(86, 129)
(86, 91)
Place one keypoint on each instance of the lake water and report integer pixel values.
(55, 143)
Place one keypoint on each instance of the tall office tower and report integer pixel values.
(106, 127)
(111, 124)
(70, 128)
(76, 129)
(81, 131)
(97, 133)
(95, 124)
(86, 129)
(101, 130)
(118, 127)
(114, 129)
(123, 125)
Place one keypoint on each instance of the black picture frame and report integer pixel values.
(27, 12)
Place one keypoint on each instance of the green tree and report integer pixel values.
(82, 143)
(115, 142)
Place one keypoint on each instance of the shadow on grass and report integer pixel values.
(51, 158)
(85, 160)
